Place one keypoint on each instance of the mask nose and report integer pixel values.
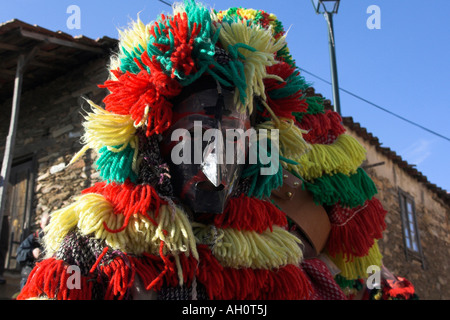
(213, 166)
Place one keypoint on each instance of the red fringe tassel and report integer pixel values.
(286, 283)
(184, 43)
(132, 93)
(353, 231)
(120, 278)
(177, 29)
(251, 214)
(323, 128)
(285, 106)
(128, 199)
(50, 278)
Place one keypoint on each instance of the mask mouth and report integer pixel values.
(208, 186)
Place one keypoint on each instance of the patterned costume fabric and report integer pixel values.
(131, 228)
(325, 288)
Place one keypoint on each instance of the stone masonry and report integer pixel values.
(50, 128)
(430, 276)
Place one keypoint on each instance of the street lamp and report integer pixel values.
(328, 8)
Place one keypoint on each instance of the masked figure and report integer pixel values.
(223, 175)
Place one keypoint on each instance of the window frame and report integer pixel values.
(410, 230)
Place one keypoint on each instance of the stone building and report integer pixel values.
(62, 69)
(416, 243)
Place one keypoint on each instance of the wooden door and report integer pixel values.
(18, 207)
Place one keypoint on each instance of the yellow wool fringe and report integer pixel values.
(249, 249)
(137, 34)
(344, 156)
(103, 128)
(255, 62)
(357, 267)
(90, 211)
(291, 143)
(249, 14)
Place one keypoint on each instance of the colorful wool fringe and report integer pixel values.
(356, 268)
(354, 231)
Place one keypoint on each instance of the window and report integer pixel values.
(409, 225)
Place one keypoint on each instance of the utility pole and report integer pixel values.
(334, 76)
(328, 8)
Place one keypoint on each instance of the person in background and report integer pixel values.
(30, 250)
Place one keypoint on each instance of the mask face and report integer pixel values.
(205, 149)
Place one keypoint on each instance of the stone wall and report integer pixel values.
(49, 129)
(430, 276)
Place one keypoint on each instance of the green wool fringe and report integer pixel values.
(127, 60)
(315, 106)
(116, 166)
(350, 191)
(203, 48)
(261, 186)
(294, 84)
(344, 283)
(285, 55)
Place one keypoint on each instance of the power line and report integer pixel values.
(165, 2)
(379, 107)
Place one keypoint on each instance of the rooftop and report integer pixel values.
(50, 53)
(397, 159)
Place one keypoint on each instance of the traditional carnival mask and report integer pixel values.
(204, 146)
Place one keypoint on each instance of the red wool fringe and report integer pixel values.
(149, 269)
(323, 128)
(285, 106)
(286, 283)
(183, 41)
(128, 199)
(155, 271)
(353, 231)
(132, 93)
(50, 278)
(245, 213)
(120, 275)
(210, 272)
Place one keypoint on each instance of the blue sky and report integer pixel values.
(403, 67)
